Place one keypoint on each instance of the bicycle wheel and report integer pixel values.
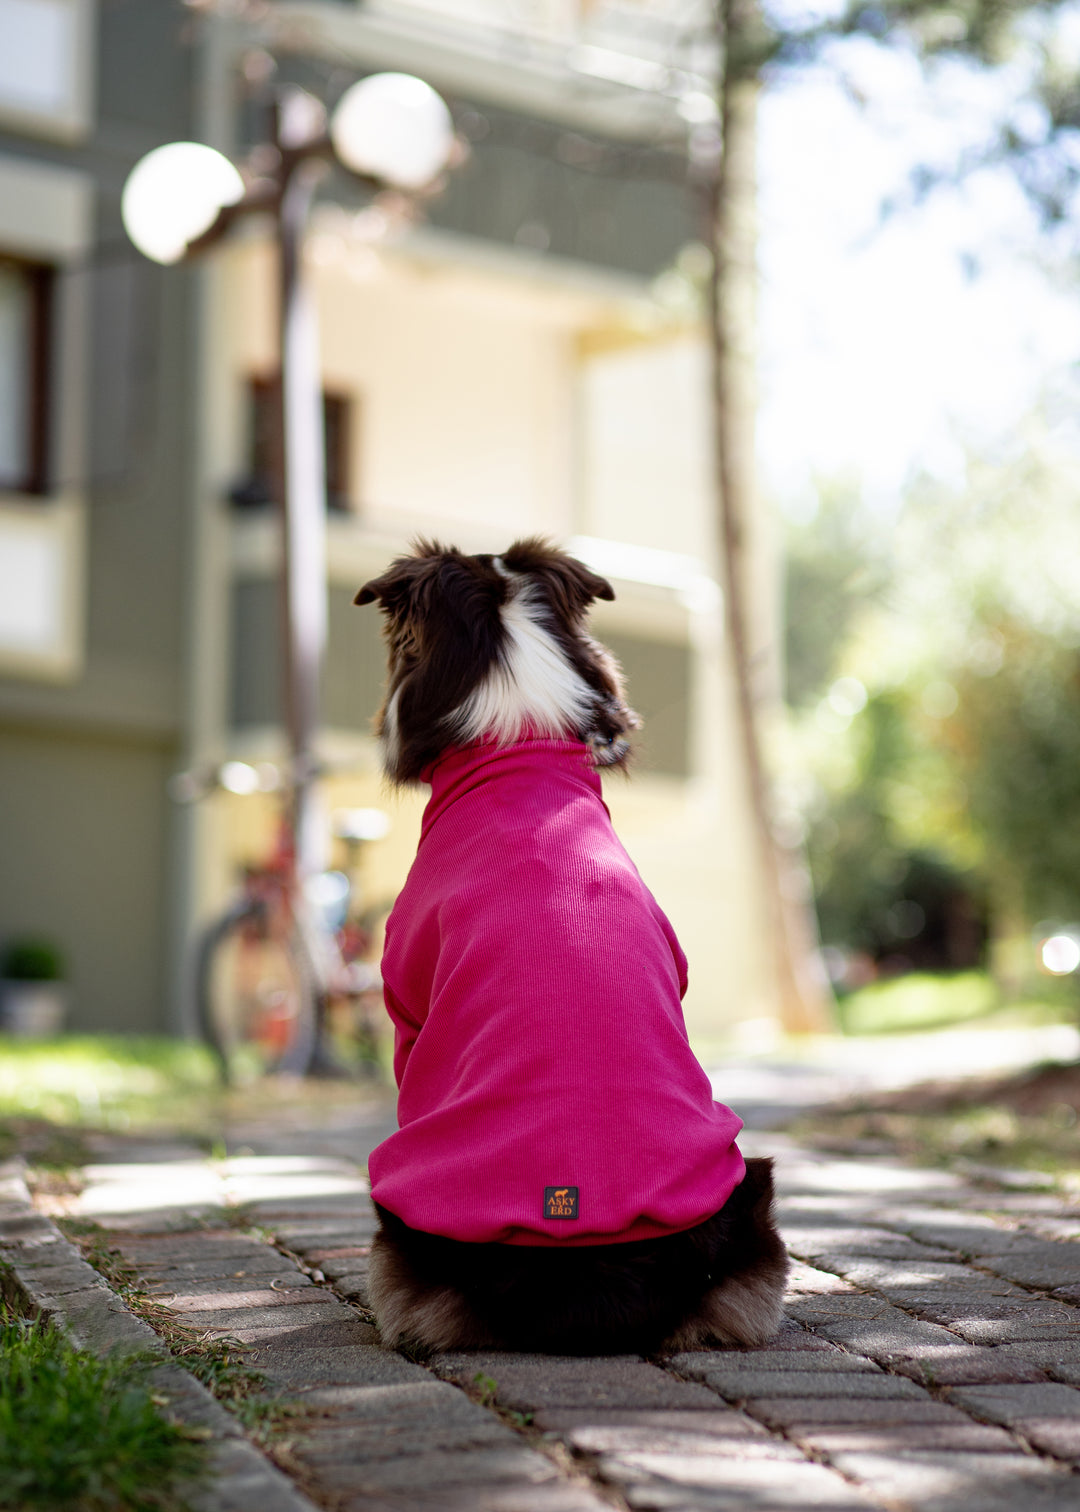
(255, 997)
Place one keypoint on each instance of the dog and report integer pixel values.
(561, 1179)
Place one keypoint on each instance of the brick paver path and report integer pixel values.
(931, 1357)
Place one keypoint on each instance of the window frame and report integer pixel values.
(40, 280)
(261, 480)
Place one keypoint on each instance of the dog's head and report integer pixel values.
(493, 646)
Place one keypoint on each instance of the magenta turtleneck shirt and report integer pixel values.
(540, 1050)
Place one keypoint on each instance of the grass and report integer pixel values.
(918, 1001)
(485, 1390)
(987, 1135)
(218, 1363)
(1026, 1124)
(54, 1095)
(107, 1081)
(1020, 1126)
(51, 1091)
(82, 1434)
(921, 1001)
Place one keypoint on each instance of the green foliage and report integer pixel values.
(987, 32)
(79, 1434)
(834, 568)
(31, 960)
(1005, 653)
(880, 874)
(953, 779)
(1015, 741)
(865, 868)
(1027, 46)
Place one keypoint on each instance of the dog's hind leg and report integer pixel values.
(745, 1307)
(415, 1315)
(745, 1311)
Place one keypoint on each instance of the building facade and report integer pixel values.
(527, 358)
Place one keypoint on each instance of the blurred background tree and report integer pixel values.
(934, 682)
(924, 893)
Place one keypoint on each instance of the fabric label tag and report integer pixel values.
(560, 1202)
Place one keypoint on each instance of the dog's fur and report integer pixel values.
(721, 1281)
(485, 646)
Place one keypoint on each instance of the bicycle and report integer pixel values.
(281, 980)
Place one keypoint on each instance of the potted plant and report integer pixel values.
(33, 992)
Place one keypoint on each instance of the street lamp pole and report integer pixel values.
(303, 485)
(389, 131)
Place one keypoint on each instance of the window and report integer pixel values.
(262, 485)
(337, 422)
(25, 299)
(46, 66)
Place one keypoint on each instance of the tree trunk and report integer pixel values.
(804, 1001)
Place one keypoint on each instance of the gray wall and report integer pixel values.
(138, 404)
(83, 809)
(82, 858)
(658, 687)
(353, 671)
(539, 184)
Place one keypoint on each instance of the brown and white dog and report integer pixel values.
(561, 1179)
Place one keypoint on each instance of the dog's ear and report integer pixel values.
(570, 584)
(371, 591)
(405, 576)
(395, 587)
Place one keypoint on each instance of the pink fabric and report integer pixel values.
(535, 990)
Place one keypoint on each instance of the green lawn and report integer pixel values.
(106, 1081)
(79, 1434)
(52, 1092)
(920, 1001)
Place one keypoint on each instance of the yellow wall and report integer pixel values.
(646, 465)
(464, 420)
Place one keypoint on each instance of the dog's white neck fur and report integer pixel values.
(534, 688)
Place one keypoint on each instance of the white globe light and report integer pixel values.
(173, 195)
(393, 127)
(1060, 954)
(239, 777)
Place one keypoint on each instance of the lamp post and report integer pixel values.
(390, 131)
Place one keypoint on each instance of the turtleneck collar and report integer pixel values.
(461, 769)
